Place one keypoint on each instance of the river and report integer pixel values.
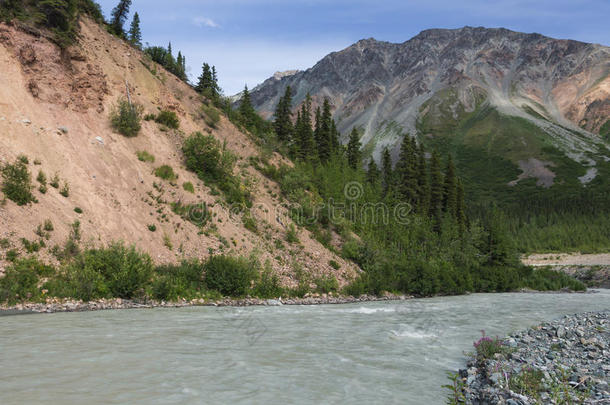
(379, 352)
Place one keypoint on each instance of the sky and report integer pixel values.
(249, 40)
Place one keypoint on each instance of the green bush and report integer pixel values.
(188, 186)
(292, 236)
(268, 285)
(178, 281)
(12, 255)
(230, 275)
(55, 181)
(65, 190)
(166, 173)
(20, 283)
(152, 227)
(125, 118)
(211, 115)
(168, 118)
(334, 264)
(249, 222)
(42, 178)
(78, 210)
(326, 284)
(198, 214)
(114, 271)
(17, 183)
(144, 156)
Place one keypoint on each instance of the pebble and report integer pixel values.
(571, 353)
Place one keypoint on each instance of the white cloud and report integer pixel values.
(205, 22)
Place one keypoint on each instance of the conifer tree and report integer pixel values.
(450, 190)
(461, 206)
(135, 34)
(372, 173)
(423, 182)
(317, 132)
(283, 117)
(334, 137)
(205, 80)
(436, 187)
(306, 149)
(246, 110)
(119, 15)
(406, 169)
(386, 171)
(353, 150)
(325, 139)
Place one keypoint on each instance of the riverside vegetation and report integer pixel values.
(426, 240)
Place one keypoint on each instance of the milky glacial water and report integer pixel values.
(384, 352)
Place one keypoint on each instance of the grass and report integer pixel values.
(144, 156)
(165, 172)
(168, 118)
(188, 186)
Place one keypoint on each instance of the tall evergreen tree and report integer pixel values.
(461, 206)
(325, 138)
(119, 15)
(246, 110)
(306, 143)
(436, 187)
(135, 34)
(353, 149)
(334, 137)
(450, 190)
(283, 117)
(386, 171)
(372, 173)
(423, 181)
(406, 169)
(205, 80)
(317, 132)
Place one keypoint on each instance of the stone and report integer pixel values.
(63, 130)
(561, 331)
(99, 139)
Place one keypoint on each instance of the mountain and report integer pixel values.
(536, 106)
(55, 106)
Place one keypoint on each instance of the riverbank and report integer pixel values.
(67, 305)
(564, 361)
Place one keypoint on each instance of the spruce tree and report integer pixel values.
(423, 182)
(283, 117)
(406, 170)
(205, 80)
(306, 144)
(386, 171)
(372, 173)
(450, 190)
(334, 137)
(461, 206)
(317, 132)
(135, 34)
(118, 17)
(353, 150)
(246, 110)
(436, 187)
(325, 138)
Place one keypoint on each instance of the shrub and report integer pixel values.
(197, 214)
(144, 156)
(168, 118)
(55, 181)
(78, 210)
(166, 173)
(291, 235)
(204, 156)
(268, 285)
(150, 117)
(65, 190)
(178, 281)
(116, 270)
(326, 284)
(17, 183)
(211, 115)
(188, 186)
(23, 159)
(249, 222)
(41, 178)
(48, 225)
(12, 255)
(125, 118)
(152, 227)
(229, 275)
(20, 283)
(43, 189)
(334, 264)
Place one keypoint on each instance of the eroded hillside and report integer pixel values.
(54, 109)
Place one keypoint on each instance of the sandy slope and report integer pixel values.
(44, 90)
(567, 259)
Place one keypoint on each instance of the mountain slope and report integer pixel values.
(54, 109)
(463, 87)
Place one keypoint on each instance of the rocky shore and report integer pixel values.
(57, 305)
(566, 361)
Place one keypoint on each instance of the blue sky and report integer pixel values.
(249, 40)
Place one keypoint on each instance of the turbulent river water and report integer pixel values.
(382, 352)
